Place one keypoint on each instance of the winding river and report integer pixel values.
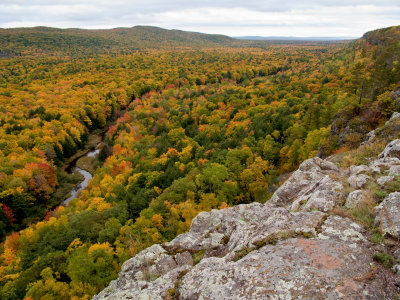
(71, 168)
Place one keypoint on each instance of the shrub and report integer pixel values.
(386, 259)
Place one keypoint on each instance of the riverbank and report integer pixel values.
(94, 140)
(68, 179)
(82, 185)
(84, 163)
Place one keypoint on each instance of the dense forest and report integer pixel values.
(62, 43)
(39, 41)
(187, 129)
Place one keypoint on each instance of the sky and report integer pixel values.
(301, 18)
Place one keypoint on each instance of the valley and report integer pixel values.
(150, 128)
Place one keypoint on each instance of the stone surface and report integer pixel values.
(165, 264)
(242, 226)
(318, 268)
(127, 287)
(354, 199)
(388, 217)
(394, 170)
(184, 258)
(289, 255)
(384, 179)
(391, 150)
(395, 115)
(369, 138)
(358, 181)
(312, 186)
(396, 254)
(356, 170)
(384, 164)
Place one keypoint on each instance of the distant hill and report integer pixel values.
(48, 41)
(383, 36)
(293, 38)
(55, 41)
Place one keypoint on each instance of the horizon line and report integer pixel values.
(248, 37)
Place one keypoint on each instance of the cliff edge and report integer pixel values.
(330, 231)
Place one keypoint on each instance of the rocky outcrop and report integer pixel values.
(387, 132)
(354, 199)
(317, 267)
(391, 150)
(314, 185)
(294, 246)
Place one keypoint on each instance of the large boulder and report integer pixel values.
(315, 185)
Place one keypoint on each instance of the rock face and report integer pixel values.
(317, 267)
(313, 186)
(389, 215)
(292, 247)
(391, 150)
(389, 130)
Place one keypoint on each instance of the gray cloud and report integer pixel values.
(272, 17)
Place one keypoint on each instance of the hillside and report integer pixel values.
(47, 41)
(175, 133)
(78, 42)
(374, 86)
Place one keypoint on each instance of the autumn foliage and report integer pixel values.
(185, 131)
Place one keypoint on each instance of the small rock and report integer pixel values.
(358, 181)
(184, 258)
(354, 199)
(165, 264)
(318, 164)
(396, 268)
(391, 150)
(396, 254)
(379, 165)
(375, 169)
(394, 170)
(384, 179)
(369, 137)
(356, 170)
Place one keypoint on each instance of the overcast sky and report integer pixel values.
(344, 18)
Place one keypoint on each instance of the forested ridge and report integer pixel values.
(187, 130)
(61, 43)
(48, 41)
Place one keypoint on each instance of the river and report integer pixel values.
(71, 168)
